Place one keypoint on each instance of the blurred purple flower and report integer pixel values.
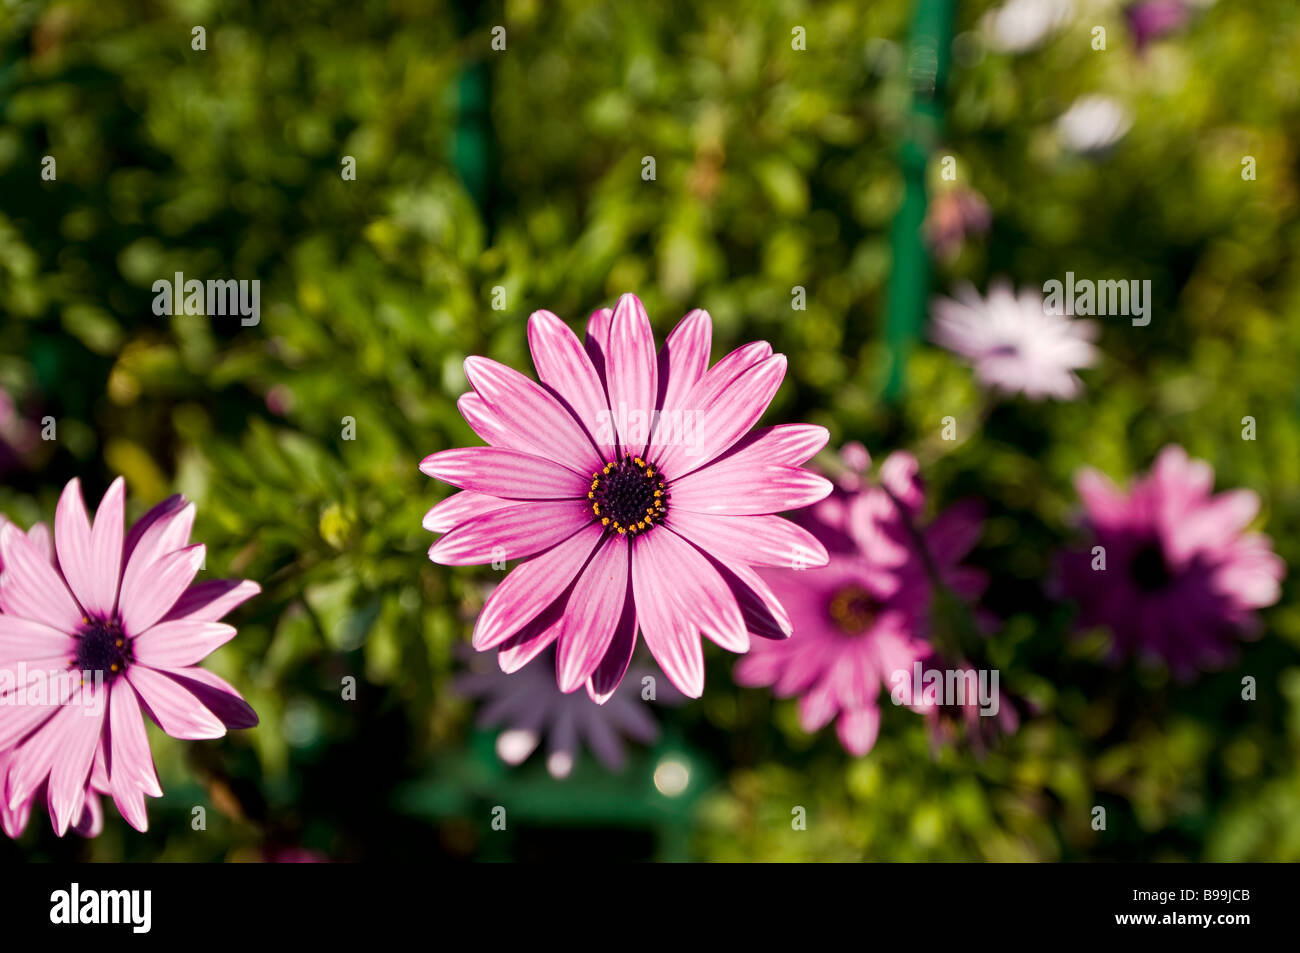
(17, 436)
(528, 707)
(293, 855)
(630, 484)
(1181, 576)
(955, 215)
(1149, 20)
(1013, 342)
(865, 615)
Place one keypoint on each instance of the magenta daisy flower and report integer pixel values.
(529, 708)
(631, 486)
(865, 616)
(1014, 344)
(1171, 570)
(95, 630)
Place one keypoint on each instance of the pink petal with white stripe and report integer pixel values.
(594, 609)
(180, 643)
(632, 375)
(177, 711)
(513, 532)
(742, 491)
(531, 587)
(526, 408)
(131, 769)
(505, 473)
(30, 587)
(461, 507)
(564, 366)
(148, 595)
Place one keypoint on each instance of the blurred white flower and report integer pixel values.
(1014, 345)
(1021, 25)
(1093, 124)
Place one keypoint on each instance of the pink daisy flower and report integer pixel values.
(631, 486)
(13, 821)
(109, 625)
(865, 616)
(1013, 343)
(528, 707)
(1182, 577)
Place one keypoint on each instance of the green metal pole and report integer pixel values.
(927, 68)
(473, 146)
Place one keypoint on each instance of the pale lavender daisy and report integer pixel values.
(1015, 343)
(528, 707)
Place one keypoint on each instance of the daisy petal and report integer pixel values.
(632, 373)
(593, 612)
(609, 673)
(166, 534)
(513, 532)
(167, 507)
(211, 599)
(790, 445)
(460, 508)
(62, 751)
(22, 720)
(684, 358)
(533, 639)
(22, 640)
(148, 594)
(526, 408)
(216, 695)
(30, 587)
(484, 422)
(763, 612)
(91, 823)
(672, 640)
(597, 339)
(177, 644)
(505, 473)
(531, 587)
(106, 541)
(858, 729)
(740, 491)
(72, 541)
(176, 710)
(131, 768)
(726, 416)
(756, 540)
(564, 366)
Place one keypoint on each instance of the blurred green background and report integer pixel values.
(521, 169)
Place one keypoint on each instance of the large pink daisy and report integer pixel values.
(1170, 569)
(631, 486)
(97, 628)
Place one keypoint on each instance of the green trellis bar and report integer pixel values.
(927, 68)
